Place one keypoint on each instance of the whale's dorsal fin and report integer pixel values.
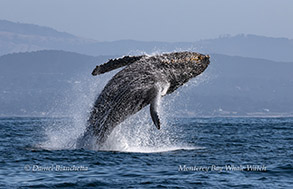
(113, 64)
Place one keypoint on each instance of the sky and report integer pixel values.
(155, 20)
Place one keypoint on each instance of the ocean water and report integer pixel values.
(193, 152)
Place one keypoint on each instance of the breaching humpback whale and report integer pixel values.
(144, 80)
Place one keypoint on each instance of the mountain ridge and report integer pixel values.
(31, 29)
(278, 49)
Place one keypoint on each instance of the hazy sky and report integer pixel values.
(159, 20)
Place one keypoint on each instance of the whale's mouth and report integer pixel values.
(208, 59)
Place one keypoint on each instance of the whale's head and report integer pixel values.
(184, 66)
(190, 63)
(195, 63)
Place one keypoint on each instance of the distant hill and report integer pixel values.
(31, 29)
(17, 37)
(37, 82)
(234, 86)
(59, 83)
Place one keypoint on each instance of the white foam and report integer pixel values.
(154, 150)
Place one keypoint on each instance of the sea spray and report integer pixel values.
(62, 133)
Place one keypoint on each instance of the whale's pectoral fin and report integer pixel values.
(113, 64)
(154, 111)
(159, 90)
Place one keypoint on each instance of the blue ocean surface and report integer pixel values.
(189, 152)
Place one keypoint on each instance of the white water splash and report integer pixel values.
(62, 133)
(139, 134)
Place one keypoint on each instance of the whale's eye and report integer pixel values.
(195, 58)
